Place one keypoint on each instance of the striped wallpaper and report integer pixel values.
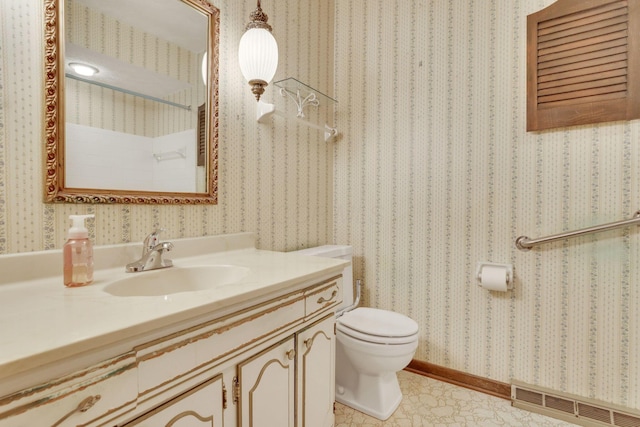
(433, 172)
(436, 172)
(275, 179)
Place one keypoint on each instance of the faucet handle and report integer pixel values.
(152, 240)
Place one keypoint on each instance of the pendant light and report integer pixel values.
(258, 52)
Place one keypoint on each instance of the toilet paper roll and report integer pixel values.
(495, 278)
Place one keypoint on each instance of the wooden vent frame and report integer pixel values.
(583, 63)
(202, 135)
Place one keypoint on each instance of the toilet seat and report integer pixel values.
(378, 326)
(373, 339)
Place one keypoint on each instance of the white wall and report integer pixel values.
(104, 159)
(171, 171)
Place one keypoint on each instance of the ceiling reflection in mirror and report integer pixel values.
(143, 127)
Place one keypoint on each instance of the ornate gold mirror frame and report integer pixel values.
(55, 190)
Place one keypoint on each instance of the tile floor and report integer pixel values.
(428, 402)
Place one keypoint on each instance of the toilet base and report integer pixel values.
(377, 396)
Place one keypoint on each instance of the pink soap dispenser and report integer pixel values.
(78, 254)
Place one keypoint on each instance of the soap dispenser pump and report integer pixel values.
(78, 254)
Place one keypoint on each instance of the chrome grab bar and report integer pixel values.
(524, 243)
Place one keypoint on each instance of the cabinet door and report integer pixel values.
(267, 387)
(316, 374)
(199, 407)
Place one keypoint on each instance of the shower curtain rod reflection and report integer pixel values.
(128, 92)
(524, 243)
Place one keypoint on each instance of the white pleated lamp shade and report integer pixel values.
(258, 57)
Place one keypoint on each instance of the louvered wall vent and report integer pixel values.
(581, 63)
(571, 408)
(202, 136)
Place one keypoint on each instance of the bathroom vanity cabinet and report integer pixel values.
(264, 387)
(268, 381)
(268, 362)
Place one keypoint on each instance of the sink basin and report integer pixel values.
(174, 280)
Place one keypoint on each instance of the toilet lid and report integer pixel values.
(378, 323)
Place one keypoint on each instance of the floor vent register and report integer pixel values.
(573, 409)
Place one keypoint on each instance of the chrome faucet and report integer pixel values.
(152, 252)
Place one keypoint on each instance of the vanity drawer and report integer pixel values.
(80, 399)
(323, 297)
(201, 405)
(164, 363)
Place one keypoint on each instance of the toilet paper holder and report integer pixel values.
(507, 267)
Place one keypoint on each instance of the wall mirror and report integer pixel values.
(143, 128)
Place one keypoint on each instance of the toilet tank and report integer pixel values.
(340, 252)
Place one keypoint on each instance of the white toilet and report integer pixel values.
(372, 346)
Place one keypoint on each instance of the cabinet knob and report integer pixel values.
(308, 342)
(291, 354)
(322, 300)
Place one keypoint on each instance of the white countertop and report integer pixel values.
(44, 323)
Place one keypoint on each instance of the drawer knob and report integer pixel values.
(322, 300)
(88, 403)
(308, 342)
(291, 354)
